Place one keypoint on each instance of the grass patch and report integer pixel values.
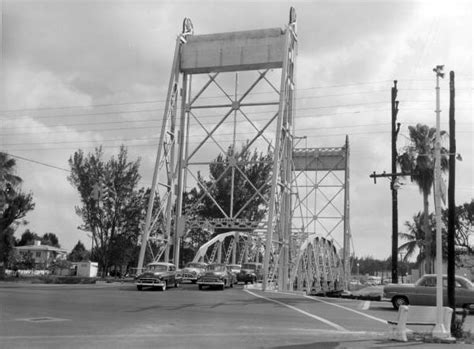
(51, 279)
(54, 279)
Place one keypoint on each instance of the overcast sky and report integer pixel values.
(65, 60)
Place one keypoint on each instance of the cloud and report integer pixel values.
(87, 54)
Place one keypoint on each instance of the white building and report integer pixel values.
(43, 255)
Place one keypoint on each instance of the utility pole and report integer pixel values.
(451, 201)
(439, 330)
(393, 187)
(393, 182)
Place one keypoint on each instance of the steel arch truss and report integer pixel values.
(318, 267)
(232, 248)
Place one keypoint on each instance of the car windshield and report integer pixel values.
(216, 267)
(430, 281)
(249, 266)
(157, 267)
(194, 265)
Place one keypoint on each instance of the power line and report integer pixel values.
(36, 162)
(163, 100)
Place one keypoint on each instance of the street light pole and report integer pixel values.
(439, 330)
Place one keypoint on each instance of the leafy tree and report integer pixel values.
(212, 198)
(26, 261)
(464, 226)
(58, 264)
(79, 253)
(111, 206)
(7, 243)
(415, 245)
(418, 159)
(28, 238)
(50, 239)
(14, 205)
(8, 180)
(14, 260)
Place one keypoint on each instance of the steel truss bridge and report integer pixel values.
(237, 89)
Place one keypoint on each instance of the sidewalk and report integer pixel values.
(374, 339)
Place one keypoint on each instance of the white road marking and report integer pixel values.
(349, 309)
(366, 305)
(42, 319)
(327, 322)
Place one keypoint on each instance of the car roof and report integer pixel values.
(253, 263)
(160, 263)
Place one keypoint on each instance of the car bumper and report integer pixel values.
(189, 278)
(211, 283)
(152, 283)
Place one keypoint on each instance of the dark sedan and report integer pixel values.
(250, 272)
(216, 275)
(159, 275)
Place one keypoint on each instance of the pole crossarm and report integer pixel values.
(375, 175)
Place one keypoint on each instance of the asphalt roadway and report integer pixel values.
(116, 315)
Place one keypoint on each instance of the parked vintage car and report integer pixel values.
(192, 271)
(250, 272)
(235, 270)
(157, 274)
(216, 275)
(423, 292)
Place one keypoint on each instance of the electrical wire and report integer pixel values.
(36, 162)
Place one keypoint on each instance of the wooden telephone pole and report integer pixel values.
(451, 201)
(393, 182)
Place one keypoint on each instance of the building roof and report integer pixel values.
(41, 248)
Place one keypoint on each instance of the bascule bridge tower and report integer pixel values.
(227, 90)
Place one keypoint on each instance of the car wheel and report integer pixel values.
(139, 287)
(194, 281)
(467, 308)
(176, 283)
(200, 287)
(231, 284)
(398, 301)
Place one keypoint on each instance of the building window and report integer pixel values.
(38, 254)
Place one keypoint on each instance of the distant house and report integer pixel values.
(42, 255)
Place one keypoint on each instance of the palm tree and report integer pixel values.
(415, 238)
(418, 159)
(8, 181)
